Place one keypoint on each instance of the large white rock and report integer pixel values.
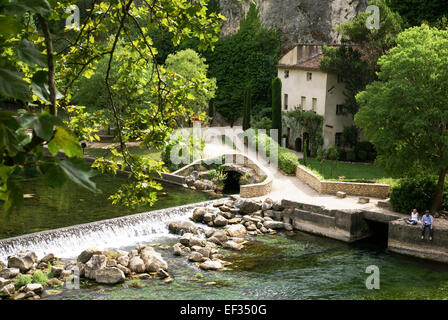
(136, 264)
(236, 230)
(110, 275)
(9, 273)
(211, 265)
(34, 287)
(153, 260)
(23, 260)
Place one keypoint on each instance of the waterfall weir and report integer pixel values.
(114, 233)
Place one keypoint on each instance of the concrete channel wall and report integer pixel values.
(353, 225)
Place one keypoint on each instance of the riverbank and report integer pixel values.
(257, 250)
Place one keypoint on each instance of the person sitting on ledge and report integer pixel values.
(427, 222)
(414, 218)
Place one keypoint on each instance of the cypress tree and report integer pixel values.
(247, 109)
(277, 107)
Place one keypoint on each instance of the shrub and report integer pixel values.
(365, 151)
(333, 153)
(23, 280)
(351, 156)
(287, 161)
(39, 277)
(413, 193)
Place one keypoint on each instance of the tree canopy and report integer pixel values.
(40, 69)
(188, 64)
(404, 113)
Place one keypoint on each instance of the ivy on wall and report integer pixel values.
(306, 121)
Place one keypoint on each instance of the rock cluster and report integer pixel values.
(105, 267)
(20, 264)
(231, 221)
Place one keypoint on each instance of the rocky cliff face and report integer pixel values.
(298, 21)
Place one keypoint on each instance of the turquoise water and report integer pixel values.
(71, 205)
(294, 267)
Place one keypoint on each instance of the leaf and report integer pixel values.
(38, 6)
(80, 173)
(12, 85)
(42, 125)
(9, 140)
(9, 26)
(28, 53)
(66, 142)
(54, 176)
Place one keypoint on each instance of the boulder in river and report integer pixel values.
(247, 206)
(181, 227)
(23, 260)
(136, 264)
(220, 221)
(236, 230)
(109, 275)
(87, 254)
(274, 225)
(211, 265)
(9, 273)
(153, 260)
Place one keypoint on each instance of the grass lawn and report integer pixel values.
(352, 172)
(99, 152)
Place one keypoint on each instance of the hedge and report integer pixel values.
(416, 193)
(287, 161)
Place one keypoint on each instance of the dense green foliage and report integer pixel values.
(404, 113)
(277, 107)
(246, 58)
(415, 193)
(415, 12)
(188, 64)
(358, 64)
(287, 161)
(306, 121)
(116, 30)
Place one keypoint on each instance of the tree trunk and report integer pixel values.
(51, 69)
(438, 198)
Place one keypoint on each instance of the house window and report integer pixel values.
(340, 78)
(338, 139)
(309, 76)
(303, 103)
(314, 105)
(285, 101)
(339, 109)
(286, 74)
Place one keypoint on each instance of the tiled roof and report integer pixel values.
(312, 63)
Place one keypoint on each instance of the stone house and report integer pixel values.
(306, 87)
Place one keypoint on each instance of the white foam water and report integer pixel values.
(106, 234)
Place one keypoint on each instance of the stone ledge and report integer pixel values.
(405, 239)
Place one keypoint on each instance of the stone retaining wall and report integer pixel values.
(405, 239)
(246, 191)
(351, 188)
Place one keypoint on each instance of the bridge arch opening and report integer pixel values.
(379, 232)
(232, 183)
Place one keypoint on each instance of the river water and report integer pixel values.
(283, 266)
